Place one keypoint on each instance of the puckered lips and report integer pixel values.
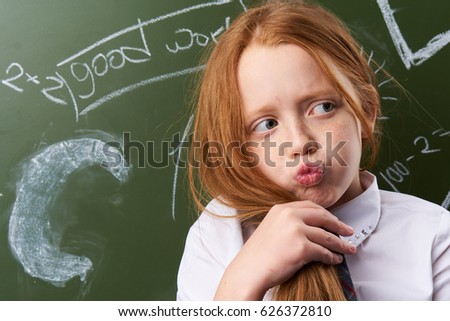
(310, 174)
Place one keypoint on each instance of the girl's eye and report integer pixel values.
(322, 108)
(266, 125)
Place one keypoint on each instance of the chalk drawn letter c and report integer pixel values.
(44, 175)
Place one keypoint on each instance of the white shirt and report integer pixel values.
(403, 247)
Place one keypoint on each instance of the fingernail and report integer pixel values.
(353, 248)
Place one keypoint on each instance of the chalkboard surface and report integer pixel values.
(92, 83)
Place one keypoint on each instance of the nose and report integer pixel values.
(302, 142)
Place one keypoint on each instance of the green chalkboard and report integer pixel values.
(89, 83)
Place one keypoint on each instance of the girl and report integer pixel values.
(286, 118)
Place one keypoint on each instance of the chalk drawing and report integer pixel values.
(408, 57)
(399, 171)
(381, 84)
(142, 24)
(142, 83)
(90, 70)
(177, 151)
(243, 5)
(389, 98)
(380, 67)
(44, 176)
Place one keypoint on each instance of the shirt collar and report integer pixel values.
(363, 212)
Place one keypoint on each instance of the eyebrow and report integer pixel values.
(255, 112)
(330, 93)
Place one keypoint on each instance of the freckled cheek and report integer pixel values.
(341, 144)
(343, 131)
(336, 137)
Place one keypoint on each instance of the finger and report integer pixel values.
(329, 240)
(321, 254)
(320, 217)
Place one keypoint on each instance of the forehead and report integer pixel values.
(284, 69)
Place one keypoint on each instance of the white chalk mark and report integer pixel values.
(8, 82)
(408, 57)
(410, 158)
(370, 58)
(446, 202)
(178, 150)
(243, 5)
(33, 79)
(426, 149)
(385, 82)
(389, 98)
(45, 91)
(216, 33)
(383, 118)
(44, 176)
(137, 85)
(394, 188)
(380, 67)
(141, 25)
(177, 46)
(441, 132)
(74, 101)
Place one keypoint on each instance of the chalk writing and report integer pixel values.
(426, 145)
(409, 57)
(397, 172)
(44, 176)
(200, 39)
(8, 81)
(76, 82)
(144, 24)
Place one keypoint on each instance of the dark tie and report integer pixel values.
(346, 281)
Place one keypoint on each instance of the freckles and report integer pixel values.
(338, 132)
(342, 145)
(346, 130)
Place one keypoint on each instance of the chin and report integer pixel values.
(325, 199)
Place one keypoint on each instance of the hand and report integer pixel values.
(290, 236)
